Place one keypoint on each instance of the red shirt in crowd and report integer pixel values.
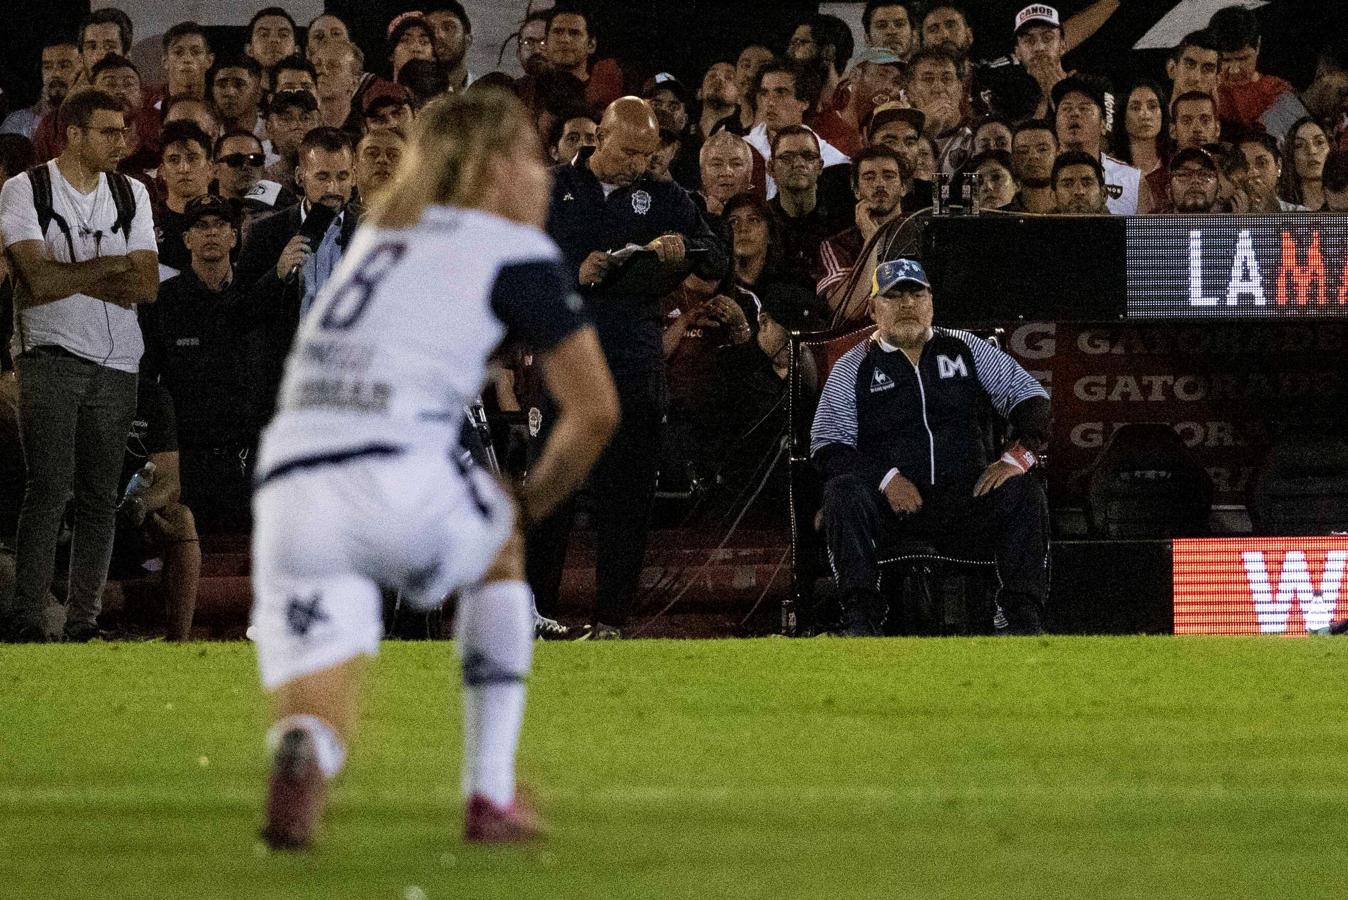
(1244, 104)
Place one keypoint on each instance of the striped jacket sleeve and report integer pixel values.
(1014, 392)
(833, 438)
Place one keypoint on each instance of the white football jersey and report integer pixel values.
(398, 340)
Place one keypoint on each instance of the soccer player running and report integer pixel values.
(361, 480)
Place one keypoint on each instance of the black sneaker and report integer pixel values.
(80, 632)
(546, 629)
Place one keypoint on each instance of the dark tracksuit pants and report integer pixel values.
(622, 490)
(1013, 520)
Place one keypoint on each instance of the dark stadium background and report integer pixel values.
(688, 35)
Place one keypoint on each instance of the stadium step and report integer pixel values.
(715, 588)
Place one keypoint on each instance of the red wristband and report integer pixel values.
(1020, 457)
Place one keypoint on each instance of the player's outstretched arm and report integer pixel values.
(578, 379)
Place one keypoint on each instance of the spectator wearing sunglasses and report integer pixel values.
(239, 164)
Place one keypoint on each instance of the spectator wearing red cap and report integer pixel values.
(409, 37)
(388, 105)
(876, 78)
(1244, 93)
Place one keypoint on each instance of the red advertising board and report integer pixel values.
(1289, 586)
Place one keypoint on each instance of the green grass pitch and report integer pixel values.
(1055, 767)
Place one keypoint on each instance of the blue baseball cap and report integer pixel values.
(889, 275)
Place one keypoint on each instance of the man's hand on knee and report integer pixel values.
(902, 494)
(996, 475)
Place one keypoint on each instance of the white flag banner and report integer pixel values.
(1187, 16)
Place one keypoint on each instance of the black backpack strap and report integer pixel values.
(40, 177)
(124, 199)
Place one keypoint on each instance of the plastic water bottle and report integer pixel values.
(139, 482)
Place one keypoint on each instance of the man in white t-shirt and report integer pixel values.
(81, 241)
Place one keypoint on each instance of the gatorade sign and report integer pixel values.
(1259, 585)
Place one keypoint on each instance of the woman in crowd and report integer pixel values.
(997, 185)
(1302, 178)
(1142, 134)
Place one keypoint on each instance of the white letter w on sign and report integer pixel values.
(1317, 607)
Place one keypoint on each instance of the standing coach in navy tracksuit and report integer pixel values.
(602, 201)
(898, 436)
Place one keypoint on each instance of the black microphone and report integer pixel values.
(314, 226)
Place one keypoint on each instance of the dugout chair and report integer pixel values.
(930, 592)
(1303, 488)
(1146, 484)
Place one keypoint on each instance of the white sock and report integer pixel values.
(329, 747)
(495, 630)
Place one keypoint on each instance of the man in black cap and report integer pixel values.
(672, 103)
(1193, 182)
(899, 440)
(196, 345)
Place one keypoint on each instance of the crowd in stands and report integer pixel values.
(257, 168)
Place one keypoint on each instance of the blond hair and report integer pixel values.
(454, 141)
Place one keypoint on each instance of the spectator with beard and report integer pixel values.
(1193, 183)
(727, 171)
(1079, 184)
(782, 103)
(294, 73)
(323, 29)
(1303, 180)
(747, 65)
(271, 38)
(992, 133)
(997, 187)
(569, 46)
(1142, 134)
(239, 165)
(105, 32)
(876, 78)
(1080, 114)
(935, 86)
(888, 24)
(290, 116)
(60, 66)
(1335, 181)
(672, 102)
(945, 25)
(339, 65)
(377, 156)
(569, 135)
(1033, 150)
(1040, 45)
(1194, 65)
(283, 266)
(822, 46)
(187, 59)
(530, 39)
(235, 85)
(1261, 174)
(426, 79)
(1244, 94)
(1193, 124)
(804, 218)
(719, 97)
(186, 171)
(899, 128)
(452, 35)
(878, 176)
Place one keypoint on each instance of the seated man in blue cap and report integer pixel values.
(898, 437)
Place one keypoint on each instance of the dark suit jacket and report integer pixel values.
(256, 273)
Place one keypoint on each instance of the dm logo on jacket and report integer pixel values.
(949, 368)
(641, 202)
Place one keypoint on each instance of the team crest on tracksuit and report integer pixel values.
(641, 202)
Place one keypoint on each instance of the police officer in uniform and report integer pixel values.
(898, 438)
(604, 201)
